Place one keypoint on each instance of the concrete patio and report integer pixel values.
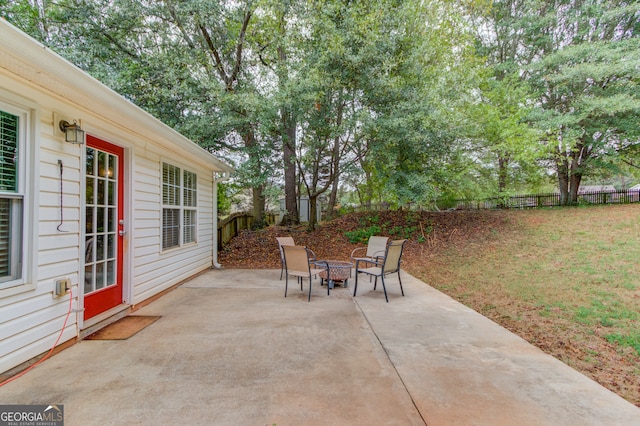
(231, 350)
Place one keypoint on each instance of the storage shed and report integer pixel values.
(102, 206)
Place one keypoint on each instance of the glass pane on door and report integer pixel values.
(101, 213)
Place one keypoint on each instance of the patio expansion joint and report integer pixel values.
(390, 361)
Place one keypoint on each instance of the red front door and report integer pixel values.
(104, 226)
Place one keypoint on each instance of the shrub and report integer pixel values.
(405, 232)
(362, 235)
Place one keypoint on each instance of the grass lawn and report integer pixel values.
(567, 280)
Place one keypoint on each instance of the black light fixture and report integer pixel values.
(72, 132)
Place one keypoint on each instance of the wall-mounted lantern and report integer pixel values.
(72, 132)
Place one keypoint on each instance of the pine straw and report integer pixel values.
(434, 231)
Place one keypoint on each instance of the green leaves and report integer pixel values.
(579, 61)
(406, 100)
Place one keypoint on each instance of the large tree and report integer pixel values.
(374, 90)
(416, 101)
(580, 59)
(503, 143)
(590, 106)
(280, 52)
(191, 64)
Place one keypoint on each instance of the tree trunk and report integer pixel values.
(503, 162)
(579, 155)
(335, 163)
(258, 207)
(313, 211)
(333, 199)
(562, 170)
(291, 215)
(574, 183)
(259, 202)
(334, 186)
(368, 189)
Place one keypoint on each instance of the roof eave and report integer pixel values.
(38, 64)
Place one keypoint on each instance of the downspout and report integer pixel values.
(223, 176)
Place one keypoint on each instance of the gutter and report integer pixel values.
(223, 176)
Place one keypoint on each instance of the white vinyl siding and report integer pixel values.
(11, 195)
(154, 268)
(179, 206)
(48, 206)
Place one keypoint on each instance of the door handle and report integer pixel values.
(122, 232)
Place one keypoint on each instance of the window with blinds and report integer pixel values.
(5, 238)
(179, 206)
(11, 199)
(8, 152)
(189, 192)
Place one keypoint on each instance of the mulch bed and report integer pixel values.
(432, 231)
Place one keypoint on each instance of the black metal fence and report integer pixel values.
(522, 201)
(550, 200)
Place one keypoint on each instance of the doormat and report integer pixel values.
(123, 328)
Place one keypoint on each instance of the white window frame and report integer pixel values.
(176, 201)
(23, 276)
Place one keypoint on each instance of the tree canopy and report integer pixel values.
(372, 101)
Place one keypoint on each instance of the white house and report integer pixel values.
(586, 189)
(94, 228)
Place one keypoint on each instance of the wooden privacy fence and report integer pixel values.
(551, 200)
(232, 225)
